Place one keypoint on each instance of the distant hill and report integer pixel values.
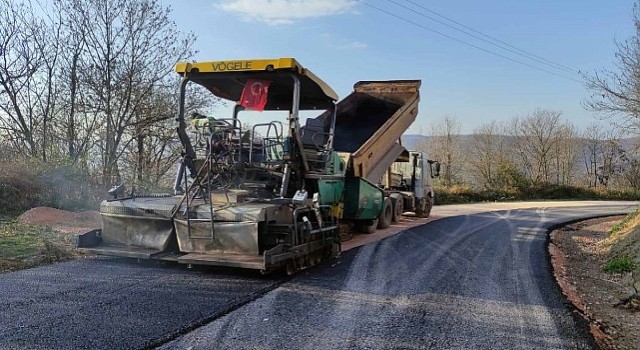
(411, 141)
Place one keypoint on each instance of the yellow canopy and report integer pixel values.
(226, 79)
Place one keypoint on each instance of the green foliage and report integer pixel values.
(625, 222)
(620, 265)
(461, 193)
(509, 177)
(23, 246)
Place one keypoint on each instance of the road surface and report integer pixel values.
(480, 280)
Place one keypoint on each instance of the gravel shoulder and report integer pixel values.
(578, 259)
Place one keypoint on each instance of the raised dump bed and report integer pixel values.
(371, 120)
(368, 124)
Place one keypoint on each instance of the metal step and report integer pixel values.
(168, 256)
(224, 259)
(124, 251)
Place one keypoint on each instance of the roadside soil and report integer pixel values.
(578, 267)
(42, 236)
(62, 221)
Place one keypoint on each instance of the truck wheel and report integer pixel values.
(371, 228)
(386, 215)
(423, 209)
(367, 226)
(398, 209)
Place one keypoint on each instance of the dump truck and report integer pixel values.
(271, 195)
(369, 124)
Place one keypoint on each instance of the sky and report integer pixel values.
(345, 41)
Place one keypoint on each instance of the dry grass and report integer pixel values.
(24, 246)
(624, 239)
(623, 246)
(462, 193)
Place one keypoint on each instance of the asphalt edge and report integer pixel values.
(233, 306)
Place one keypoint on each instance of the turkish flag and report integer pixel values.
(254, 94)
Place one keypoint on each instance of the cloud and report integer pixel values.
(277, 12)
(354, 45)
(342, 43)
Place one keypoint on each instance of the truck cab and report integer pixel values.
(409, 182)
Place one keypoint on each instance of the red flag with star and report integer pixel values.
(254, 94)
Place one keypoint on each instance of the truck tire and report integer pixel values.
(371, 228)
(386, 216)
(423, 209)
(398, 209)
(367, 226)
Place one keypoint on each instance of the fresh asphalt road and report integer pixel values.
(471, 281)
(476, 281)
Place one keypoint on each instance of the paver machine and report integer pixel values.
(270, 195)
(246, 196)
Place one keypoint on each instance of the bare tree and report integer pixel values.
(616, 93)
(156, 149)
(631, 173)
(565, 154)
(603, 155)
(76, 123)
(445, 146)
(613, 156)
(591, 151)
(92, 82)
(127, 57)
(485, 152)
(23, 57)
(492, 158)
(535, 138)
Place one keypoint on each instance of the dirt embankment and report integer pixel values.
(41, 236)
(61, 220)
(581, 252)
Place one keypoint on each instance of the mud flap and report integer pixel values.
(90, 239)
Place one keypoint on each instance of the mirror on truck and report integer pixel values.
(435, 168)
